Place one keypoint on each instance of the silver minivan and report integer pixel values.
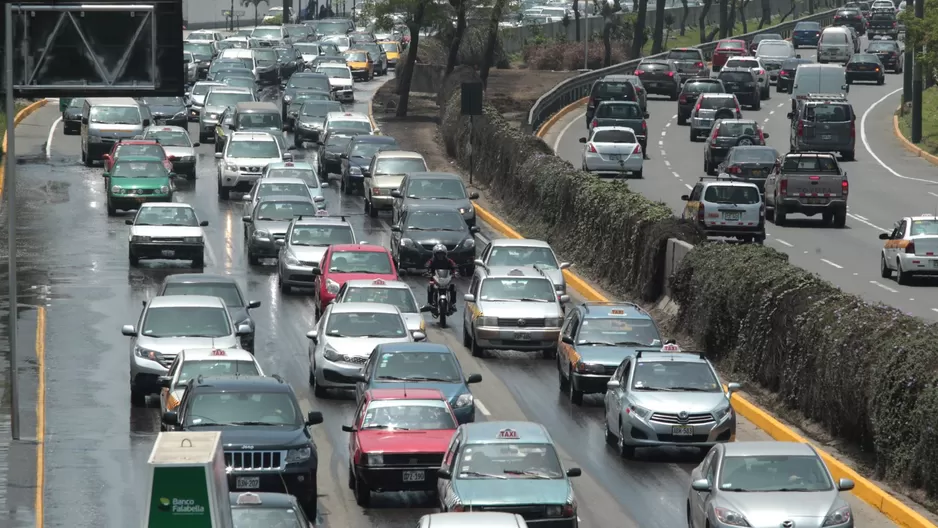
(835, 45)
(105, 121)
(818, 79)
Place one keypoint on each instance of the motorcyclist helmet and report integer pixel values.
(439, 251)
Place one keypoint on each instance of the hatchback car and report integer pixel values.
(728, 209)
(709, 107)
(691, 91)
(440, 188)
(304, 246)
(296, 105)
(866, 67)
(135, 180)
(728, 133)
(613, 151)
(223, 286)
(178, 147)
(610, 88)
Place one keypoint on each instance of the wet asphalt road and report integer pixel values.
(97, 445)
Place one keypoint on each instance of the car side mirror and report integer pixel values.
(884, 236)
(203, 223)
(348, 429)
(243, 330)
(479, 262)
(790, 115)
(469, 297)
(685, 197)
(291, 147)
(574, 472)
(84, 120)
(246, 198)
(396, 193)
(565, 265)
(443, 474)
(323, 185)
(165, 382)
(246, 219)
(313, 418)
(564, 299)
(128, 222)
(107, 157)
(765, 135)
(475, 230)
(286, 127)
(219, 155)
(395, 229)
(129, 330)
(170, 418)
(612, 385)
(146, 122)
(733, 387)
(420, 336)
(798, 56)
(845, 484)
(566, 339)
(474, 196)
(647, 115)
(313, 335)
(254, 304)
(280, 242)
(702, 485)
(794, 86)
(317, 271)
(474, 378)
(583, 140)
(845, 87)
(196, 144)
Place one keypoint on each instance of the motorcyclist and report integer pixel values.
(440, 262)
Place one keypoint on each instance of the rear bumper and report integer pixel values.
(826, 146)
(734, 231)
(795, 205)
(864, 75)
(597, 164)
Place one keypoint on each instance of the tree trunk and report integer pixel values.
(656, 43)
(685, 12)
(742, 15)
(488, 57)
(731, 23)
(638, 34)
(766, 13)
(457, 36)
(788, 14)
(255, 13)
(811, 7)
(607, 43)
(404, 86)
(576, 18)
(702, 19)
(724, 19)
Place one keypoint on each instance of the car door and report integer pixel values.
(443, 486)
(711, 477)
(316, 347)
(698, 510)
(568, 351)
(895, 240)
(396, 235)
(368, 370)
(471, 307)
(771, 182)
(693, 203)
(172, 375)
(398, 201)
(353, 444)
(614, 397)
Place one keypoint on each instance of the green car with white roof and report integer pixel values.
(135, 180)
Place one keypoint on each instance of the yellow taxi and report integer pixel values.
(361, 64)
(392, 49)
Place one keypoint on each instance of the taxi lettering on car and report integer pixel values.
(910, 249)
(385, 454)
(507, 466)
(345, 262)
(595, 338)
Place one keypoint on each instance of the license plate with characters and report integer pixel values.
(757, 172)
(682, 430)
(522, 336)
(826, 137)
(817, 200)
(415, 476)
(248, 482)
(734, 216)
(168, 253)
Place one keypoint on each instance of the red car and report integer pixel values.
(398, 441)
(345, 262)
(137, 147)
(726, 49)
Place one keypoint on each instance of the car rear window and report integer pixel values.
(702, 87)
(742, 63)
(731, 45)
(619, 111)
(715, 103)
(829, 113)
(684, 55)
(924, 227)
(654, 66)
(807, 26)
(811, 164)
(736, 76)
(736, 129)
(614, 89)
(882, 46)
(753, 155)
(614, 136)
(834, 38)
(732, 194)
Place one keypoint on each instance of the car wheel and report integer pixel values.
(576, 396)
(625, 451)
(134, 260)
(884, 270)
(477, 351)
(351, 477)
(849, 155)
(284, 287)
(681, 120)
(562, 382)
(466, 340)
(902, 277)
(610, 437)
(137, 398)
(362, 493)
(779, 215)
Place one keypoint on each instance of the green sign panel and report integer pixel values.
(179, 498)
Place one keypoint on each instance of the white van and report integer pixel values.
(836, 45)
(818, 79)
(105, 121)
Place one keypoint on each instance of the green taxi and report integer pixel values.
(134, 180)
(507, 467)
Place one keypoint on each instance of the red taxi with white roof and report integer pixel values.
(344, 262)
(398, 440)
(910, 249)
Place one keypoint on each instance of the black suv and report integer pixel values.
(743, 84)
(691, 91)
(610, 88)
(265, 438)
(852, 17)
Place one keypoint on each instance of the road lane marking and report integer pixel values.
(838, 266)
(867, 222)
(667, 163)
(667, 125)
(934, 309)
(563, 132)
(862, 218)
(674, 116)
(52, 133)
(933, 194)
(688, 187)
(866, 143)
(211, 254)
(660, 143)
(771, 112)
(782, 242)
(663, 153)
(883, 286)
(780, 105)
(664, 133)
(40, 412)
(482, 407)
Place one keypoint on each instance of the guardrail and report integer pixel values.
(576, 88)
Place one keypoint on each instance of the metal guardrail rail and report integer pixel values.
(576, 88)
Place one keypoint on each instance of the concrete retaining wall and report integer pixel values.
(675, 253)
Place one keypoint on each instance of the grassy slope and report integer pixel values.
(692, 34)
(929, 121)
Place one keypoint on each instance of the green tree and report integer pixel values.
(638, 41)
(923, 33)
(658, 35)
(460, 6)
(725, 26)
(256, 4)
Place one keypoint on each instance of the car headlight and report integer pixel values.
(287, 98)
(488, 321)
(332, 287)
(164, 189)
(291, 260)
(552, 322)
(722, 413)
(299, 454)
(730, 517)
(590, 368)
(330, 354)
(355, 170)
(193, 240)
(643, 413)
(468, 243)
(554, 511)
(146, 353)
(464, 399)
(467, 210)
(140, 239)
(374, 459)
(260, 233)
(117, 189)
(211, 115)
(231, 167)
(841, 515)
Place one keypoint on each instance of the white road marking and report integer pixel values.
(866, 143)
(660, 143)
(663, 153)
(862, 218)
(667, 163)
(780, 105)
(667, 125)
(771, 112)
(838, 266)
(482, 408)
(564, 131)
(211, 254)
(688, 187)
(782, 242)
(676, 175)
(933, 194)
(883, 286)
(51, 133)
(867, 222)
(766, 120)
(674, 116)
(934, 309)
(664, 133)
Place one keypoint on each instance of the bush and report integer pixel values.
(435, 49)
(559, 56)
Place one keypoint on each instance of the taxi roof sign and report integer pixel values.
(288, 164)
(516, 273)
(671, 347)
(617, 312)
(219, 352)
(379, 282)
(249, 498)
(322, 212)
(508, 434)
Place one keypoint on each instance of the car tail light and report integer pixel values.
(591, 148)
(701, 213)
(569, 510)
(853, 128)
(783, 187)
(733, 170)
(699, 65)
(376, 191)
(761, 136)
(800, 127)
(644, 126)
(910, 249)
(844, 187)
(682, 99)
(713, 138)
(876, 69)
(639, 72)
(595, 123)
(761, 72)
(637, 149)
(670, 74)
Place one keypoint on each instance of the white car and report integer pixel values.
(178, 147)
(342, 43)
(383, 291)
(758, 69)
(344, 338)
(244, 159)
(284, 186)
(614, 151)
(166, 230)
(911, 249)
(340, 80)
(349, 120)
(192, 67)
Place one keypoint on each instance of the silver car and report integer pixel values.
(268, 223)
(246, 156)
(218, 99)
(526, 252)
(766, 485)
(169, 324)
(708, 106)
(166, 230)
(278, 186)
(344, 339)
(385, 175)
(195, 97)
(192, 67)
(613, 150)
(758, 69)
(178, 147)
(305, 243)
(340, 81)
(383, 291)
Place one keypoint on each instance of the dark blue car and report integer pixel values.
(420, 366)
(806, 34)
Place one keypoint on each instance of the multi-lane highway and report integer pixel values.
(886, 183)
(96, 445)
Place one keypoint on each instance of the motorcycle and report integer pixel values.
(443, 308)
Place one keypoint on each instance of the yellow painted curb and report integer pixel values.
(17, 119)
(908, 145)
(865, 490)
(552, 120)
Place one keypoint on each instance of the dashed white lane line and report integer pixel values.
(563, 132)
(771, 112)
(933, 194)
(883, 286)
(674, 116)
(660, 143)
(934, 309)
(667, 163)
(667, 125)
(482, 408)
(688, 187)
(663, 153)
(867, 222)
(664, 133)
(676, 175)
(782, 242)
(866, 142)
(766, 120)
(780, 105)
(55, 124)
(838, 266)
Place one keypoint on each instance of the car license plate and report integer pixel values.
(615, 157)
(757, 172)
(522, 336)
(414, 476)
(682, 430)
(817, 200)
(826, 137)
(250, 482)
(732, 216)
(168, 253)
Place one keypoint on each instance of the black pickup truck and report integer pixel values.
(883, 23)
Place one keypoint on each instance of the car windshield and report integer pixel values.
(307, 48)
(807, 26)
(339, 41)
(267, 33)
(402, 298)
(774, 49)
(254, 517)
(307, 175)
(766, 155)
(738, 128)
(366, 324)
(224, 367)
(155, 151)
(335, 72)
(115, 115)
(517, 289)
(436, 188)
(408, 415)
(868, 58)
(253, 149)
(186, 321)
(742, 63)
(435, 221)
(654, 66)
(76, 102)
(674, 376)
(138, 169)
(613, 136)
(337, 142)
(736, 76)
(828, 113)
(260, 120)
(356, 56)
(368, 150)
(239, 73)
(282, 189)
(815, 164)
(375, 262)
(308, 82)
(331, 28)
(774, 473)
(273, 211)
(170, 138)
(716, 103)
(391, 165)
(321, 235)
(198, 49)
(732, 194)
(390, 46)
(285, 54)
(607, 331)
(363, 126)
(202, 88)
(302, 97)
(417, 366)
(684, 55)
(509, 460)
(227, 99)
(924, 227)
(320, 108)
(166, 216)
(242, 408)
(163, 101)
(619, 111)
(519, 256)
(226, 291)
(239, 82)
